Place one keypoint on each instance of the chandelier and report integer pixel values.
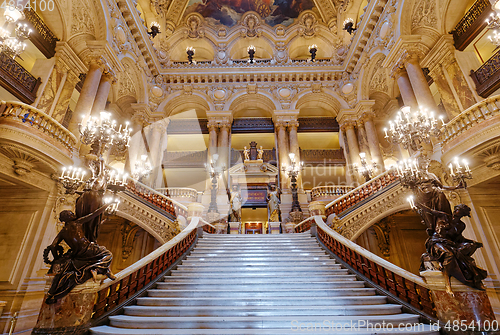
(142, 168)
(411, 172)
(366, 170)
(493, 24)
(102, 135)
(12, 35)
(412, 129)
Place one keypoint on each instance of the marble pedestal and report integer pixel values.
(274, 227)
(467, 304)
(70, 315)
(235, 227)
(221, 228)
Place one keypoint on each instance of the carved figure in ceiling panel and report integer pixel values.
(161, 6)
(251, 26)
(82, 20)
(424, 14)
(308, 23)
(194, 22)
(379, 78)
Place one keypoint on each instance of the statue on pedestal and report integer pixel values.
(84, 260)
(260, 153)
(246, 153)
(273, 203)
(447, 249)
(235, 202)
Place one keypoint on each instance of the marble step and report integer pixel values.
(229, 259)
(262, 285)
(139, 322)
(257, 253)
(107, 330)
(257, 301)
(238, 279)
(219, 264)
(169, 311)
(286, 293)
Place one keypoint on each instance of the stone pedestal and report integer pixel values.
(195, 209)
(317, 208)
(70, 315)
(466, 304)
(274, 227)
(235, 227)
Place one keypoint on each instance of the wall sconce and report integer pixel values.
(312, 50)
(349, 26)
(190, 53)
(251, 54)
(155, 29)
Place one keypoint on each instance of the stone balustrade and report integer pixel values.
(405, 285)
(18, 113)
(183, 193)
(470, 118)
(329, 192)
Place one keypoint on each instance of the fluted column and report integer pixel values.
(373, 141)
(419, 84)
(282, 150)
(157, 139)
(87, 95)
(102, 94)
(405, 88)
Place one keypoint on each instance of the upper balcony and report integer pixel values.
(487, 77)
(473, 22)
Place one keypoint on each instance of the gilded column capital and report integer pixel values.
(160, 125)
(348, 124)
(293, 125)
(212, 125)
(109, 76)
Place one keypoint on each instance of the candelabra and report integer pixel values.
(214, 171)
(251, 54)
(461, 172)
(12, 35)
(190, 54)
(101, 134)
(312, 50)
(366, 170)
(142, 168)
(155, 29)
(411, 172)
(349, 26)
(412, 129)
(293, 171)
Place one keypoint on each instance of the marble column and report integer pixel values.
(212, 140)
(458, 82)
(373, 141)
(87, 96)
(352, 142)
(447, 96)
(282, 151)
(156, 147)
(224, 144)
(363, 141)
(420, 85)
(405, 89)
(60, 106)
(102, 94)
(345, 147)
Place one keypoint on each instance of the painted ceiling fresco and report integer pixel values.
(228, 12)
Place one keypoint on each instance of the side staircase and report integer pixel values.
(262, 284)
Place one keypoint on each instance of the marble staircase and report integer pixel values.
(261, 284)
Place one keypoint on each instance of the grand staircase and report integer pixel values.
(261, 284)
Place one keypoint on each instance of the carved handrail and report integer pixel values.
(179, 192)
(42, 37)
(17, 80)
(208, 228)
(34, 118)
(470, 117)
(471, 24)
(487, 77)
(361, 192)
(132, 279)
(329, 191)
(304, 225)
(399, 282)
(156, 198)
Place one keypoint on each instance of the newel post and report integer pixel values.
(316, 208)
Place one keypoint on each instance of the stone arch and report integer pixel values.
(322, 100)
(374, 77)
(262, 100)
(178, 102)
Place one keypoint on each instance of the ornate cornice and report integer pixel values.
(406, 47)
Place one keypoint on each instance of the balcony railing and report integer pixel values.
(17, 80)
(473, 22)
(181, 193)
(329, 192)
(487, 77)
(33, 118)
(42, 37)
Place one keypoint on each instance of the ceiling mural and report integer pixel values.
(229, 12)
